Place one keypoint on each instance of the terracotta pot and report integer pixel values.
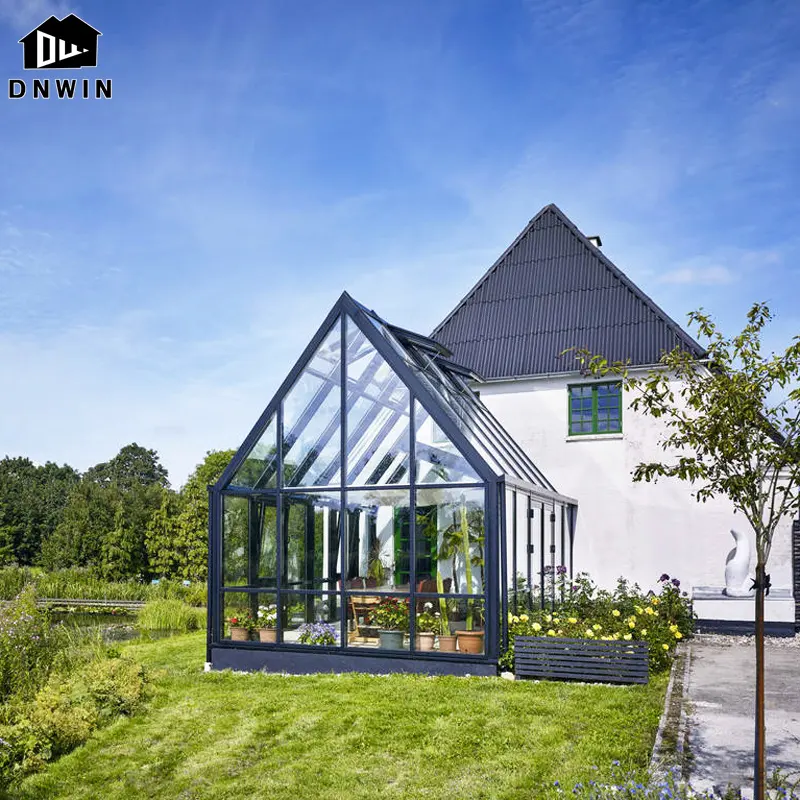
(268, 635)
(470, 642)
(447, 644)
(425, 641)
(239, 634)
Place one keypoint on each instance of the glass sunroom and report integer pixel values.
(377, 517)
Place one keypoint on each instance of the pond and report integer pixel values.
(113, 627)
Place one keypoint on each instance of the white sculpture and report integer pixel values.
(737, 566)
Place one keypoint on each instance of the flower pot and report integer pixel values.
(239, 634)
(268, 635)
(447, 644)
(470, 642)
(391, 640)
(425, 641)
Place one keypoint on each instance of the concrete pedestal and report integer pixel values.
(718, 613)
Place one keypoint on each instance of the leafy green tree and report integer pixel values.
(88, 516)
(191, 541)
(732, 429)
(134, 466)
(161, 537)
(32, 501)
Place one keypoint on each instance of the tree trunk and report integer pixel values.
(759, 771)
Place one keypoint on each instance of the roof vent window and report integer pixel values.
(595, 240)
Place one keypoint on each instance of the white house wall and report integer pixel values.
(635, 530)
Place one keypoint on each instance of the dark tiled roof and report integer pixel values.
(552, 289)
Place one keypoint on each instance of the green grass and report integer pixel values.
(226, 735)
(170, 615)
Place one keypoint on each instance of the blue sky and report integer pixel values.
(165, 256)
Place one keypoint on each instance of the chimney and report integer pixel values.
(595, 240)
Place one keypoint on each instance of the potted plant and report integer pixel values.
(429, 624)
(267, 620)
(242, 626)
(391, 618)
(318, 633)
(464, 539)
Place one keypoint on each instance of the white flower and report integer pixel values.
(428, 605)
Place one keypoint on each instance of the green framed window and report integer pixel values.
(595, 408)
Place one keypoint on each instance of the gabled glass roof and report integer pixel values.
(364, 394)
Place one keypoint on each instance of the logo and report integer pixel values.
(68, 43)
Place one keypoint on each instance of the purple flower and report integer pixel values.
(561, 569)
(676, 582)
(664, 577)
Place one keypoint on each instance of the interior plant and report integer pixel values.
(391, 618)
(429, 625)
(267, 619)
(464, 540)
(242, 625)
(318, 633)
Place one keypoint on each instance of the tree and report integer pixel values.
(161, 538)
(32, 500)
(732, 429)
(134, 466)
(191, 541)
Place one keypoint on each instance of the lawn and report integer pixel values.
(225, 735)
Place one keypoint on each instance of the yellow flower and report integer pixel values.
(631, 623)
(556, 620)
(615, 613)
(665, 646)
(515, 618)
(678, 635)
(572, 620)
(655, 601)
(560, 632)
(627, 637)
(643, 631)
(597, 626)
(589, 633)
(510, 617)
(639, 609)
(536, 626)
(551, 632)
(548, 618)
(523, 617)
(651, 612)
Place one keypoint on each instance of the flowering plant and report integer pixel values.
(432, 622)
(267, 616)
(244, 620)
(318, 633)
(626, 614)
(391, 614)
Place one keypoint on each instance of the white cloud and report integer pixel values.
(706, 276)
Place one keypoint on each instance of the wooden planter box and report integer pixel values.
(560, 659)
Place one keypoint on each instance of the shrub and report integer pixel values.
(170, 615)
(64, 713)
(29, 645)
(624, 614)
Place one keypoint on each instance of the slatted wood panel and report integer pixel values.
(562, 659)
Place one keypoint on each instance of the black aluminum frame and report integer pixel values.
(282, 655)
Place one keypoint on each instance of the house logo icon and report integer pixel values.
(69, 43)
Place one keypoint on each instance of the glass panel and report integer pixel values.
(249, 617)
(311, 408)
(311, 619)
(376, 621)
(379, 540)
(438, 461)
(260, 467)
(450, 624)
(454, 517)
(377, 417)
(249, 554)
(235, 524)
(311, 540)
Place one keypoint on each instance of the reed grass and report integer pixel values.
(170, 615)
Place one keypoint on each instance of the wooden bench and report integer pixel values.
(560, 659)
